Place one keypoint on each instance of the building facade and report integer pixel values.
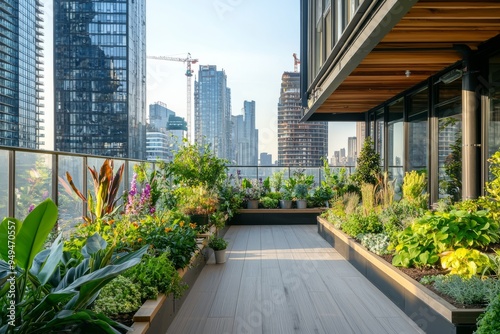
(245, 137)
(299, 144)
(165, 133)
(352, 152)
(21, 73)
(100, 77)
(422, 76)
(266, 159)
(212, 110)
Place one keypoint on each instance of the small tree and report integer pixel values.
(368, 168)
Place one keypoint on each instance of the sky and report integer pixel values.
(252, 40)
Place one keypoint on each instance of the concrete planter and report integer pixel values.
(431, 312)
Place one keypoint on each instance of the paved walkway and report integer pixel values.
(283, 280)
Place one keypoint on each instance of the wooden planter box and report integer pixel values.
(431, 312)
(155, 316)
(276, 216)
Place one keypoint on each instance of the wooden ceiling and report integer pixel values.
(422, 43)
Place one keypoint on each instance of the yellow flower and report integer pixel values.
(192, 225)
(168, 229)
(139, 240)
(181, 224)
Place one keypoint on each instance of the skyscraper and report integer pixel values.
(20, 73)
(164, 134)
(100, 77)
(351, 151)
(299, 144)
(212, 110)
(245, 137)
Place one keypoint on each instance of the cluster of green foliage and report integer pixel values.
(375, 242)
(269, 202)
(368, 166)
(121, 295)
(55, 288)
(156, 275)
(421, 243)
(398, 216)
(489, 321)
(465, 262)
(357, 224)
(217, 243)
(414, 187)
(468, 291)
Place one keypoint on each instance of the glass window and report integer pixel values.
(4, 183)
(379, 141)
(395, 144)
(493, 108)
(418, 132)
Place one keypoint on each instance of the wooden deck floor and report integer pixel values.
(283, 280)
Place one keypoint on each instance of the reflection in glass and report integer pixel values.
(418, 132)
(494, 108)
(4, 184)
(395, 145)
(379, 141)
(450, 151)
(70, 205)
(33, 181)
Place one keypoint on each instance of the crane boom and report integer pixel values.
(189, 73)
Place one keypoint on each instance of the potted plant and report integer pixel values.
(301, 190)
(287, 193)
(219, 245)
(252, 190)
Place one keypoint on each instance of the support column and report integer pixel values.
(471, 131)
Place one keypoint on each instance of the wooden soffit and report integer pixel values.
(419, 45)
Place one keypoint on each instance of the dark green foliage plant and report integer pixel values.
(217, 243)
(156, 275)
(269, 202)
(368, 164)
(489, 321)
(356, 224)
(177, 238)
(436, 232)
(397, 216)
(121, 295)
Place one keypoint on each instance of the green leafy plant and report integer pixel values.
(251, 189)
(489, 321)
(468, 291)
(465, 262)
(356, 224)
(269, 202)
(217, 243)
(156, 275)
(491, 200)
(177, 238)
(368, 164)
(421, 242)
(414, 187)
(494, 265)
(399, 215)
(375, 242)
(276, 181)
(53, 289)
(121, 295)
(300, 191)
(196, 200)
(106, 186)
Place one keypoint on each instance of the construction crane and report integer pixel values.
(189, 73)
(296, 62)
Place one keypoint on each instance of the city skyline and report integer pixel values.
(229, 40)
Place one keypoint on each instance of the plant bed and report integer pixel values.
(276, 216)
(155, 316)
(430, 311)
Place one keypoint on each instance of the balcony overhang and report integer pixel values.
(395, 46)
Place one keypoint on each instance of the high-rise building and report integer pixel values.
(299, 144)
(245, 137)
(212, 110)
(266, 159)
(21, 73)
(351, 150)
(360, 135)
(100, 77)
(164, 134)
(252, 156)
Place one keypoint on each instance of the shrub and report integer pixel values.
(121, 295)
(217, 243)
(466, 291)
(489, 321)
(368, 166)
(421, 242)
(156, 275)
(465, 262)
(359, 224)
(269, 203)
(375, 242)
(414, 186)
(398, 216)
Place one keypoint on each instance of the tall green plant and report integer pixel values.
(106, 186)
(414, 187)
(491, 200)
(368, 167)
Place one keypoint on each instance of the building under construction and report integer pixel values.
(299, 144)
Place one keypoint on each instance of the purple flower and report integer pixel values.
(152, 210)
(31, 208)
(133, 185)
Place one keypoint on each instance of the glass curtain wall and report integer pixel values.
(449, 113)
(379, 135)
(395, 144)
(493, 108)
(418, 133)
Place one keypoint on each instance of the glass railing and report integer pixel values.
(27, 177)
